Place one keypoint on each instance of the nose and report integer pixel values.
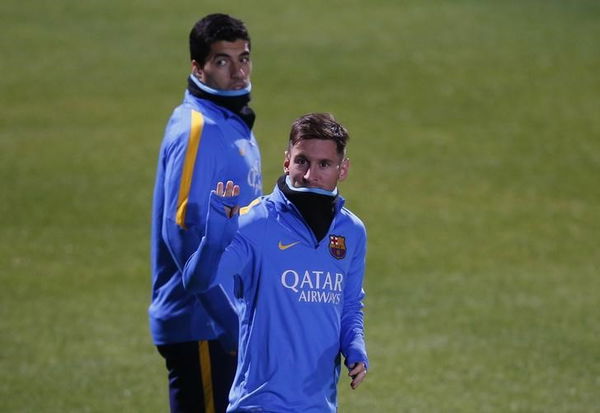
(238, 71)
(311, 175)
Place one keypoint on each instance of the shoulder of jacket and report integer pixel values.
(352, 219)
(257, 209)
(255, 214)
(187, 121)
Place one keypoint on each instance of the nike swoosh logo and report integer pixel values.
(284, 247)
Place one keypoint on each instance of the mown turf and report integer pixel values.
(475, 162)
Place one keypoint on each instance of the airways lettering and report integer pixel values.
(313, 296)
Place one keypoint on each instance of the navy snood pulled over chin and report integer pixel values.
(317, 208)
(237, 103)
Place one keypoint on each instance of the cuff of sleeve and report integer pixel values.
(355, 356)
(218, 203)
(219, 226)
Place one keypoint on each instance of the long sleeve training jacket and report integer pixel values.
(204, 143)
(299, 300)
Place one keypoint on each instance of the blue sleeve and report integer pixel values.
(204, 269)
(214, 263)
(223, 252)
(180, 241)
(185, 205)
(217, 304)
(352, 324)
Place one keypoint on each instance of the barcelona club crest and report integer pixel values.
(337, 246)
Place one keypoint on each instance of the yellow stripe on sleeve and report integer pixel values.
(188, 167)
(206, 371)
(247, 208)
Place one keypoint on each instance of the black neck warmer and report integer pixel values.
(236, 104)
(316, 209)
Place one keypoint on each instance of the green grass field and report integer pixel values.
(475, 164)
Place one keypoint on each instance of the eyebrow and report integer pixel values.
(246, 53)
(302, 155)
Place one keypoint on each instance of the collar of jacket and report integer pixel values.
(281, 200)
(317, 210)
(235, 104)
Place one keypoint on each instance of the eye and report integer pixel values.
(324, 164)
(245, 60)
(221, 62)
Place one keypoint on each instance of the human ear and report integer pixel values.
(197, 69)
(286, 162)
(344, 168)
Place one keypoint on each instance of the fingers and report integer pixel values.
(230, 189)
(358, 374)
(357, 368)
(227, 190)
(358, 379)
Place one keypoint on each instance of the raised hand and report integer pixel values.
(228, 190)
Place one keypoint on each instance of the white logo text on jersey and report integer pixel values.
(314, 286)
(254, 177)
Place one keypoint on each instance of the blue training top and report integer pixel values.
(299, 300)
(204, 143)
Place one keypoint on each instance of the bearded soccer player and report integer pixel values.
(297, 258)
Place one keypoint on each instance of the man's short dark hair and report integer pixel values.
(319, 126)
(211, 29)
